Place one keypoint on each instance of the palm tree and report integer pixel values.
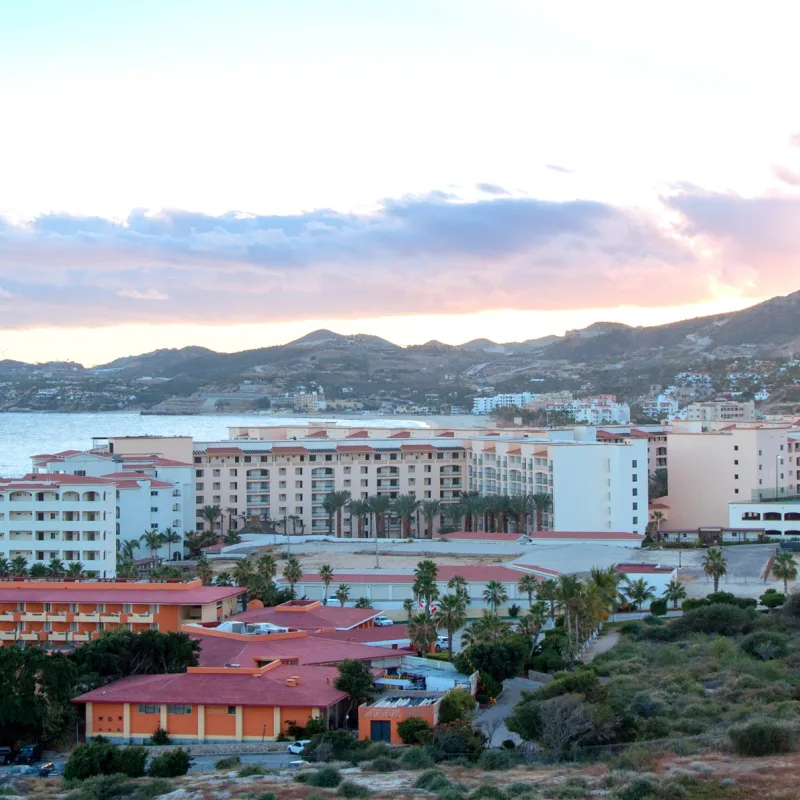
(169, 538)
(363, 602)
(380, 505)
(405, 506)
(430, 508)
(568, 595)
(292, 573)
(548, 590)
(74, 570)
(421, 632)
(38, 570)
(424, 585)
(330, 503)
(408, 606)
(193, 542)
(656, 518)
(784, 568)
(326, 576)
(502, 511)
(342, 498)
(342, 594)
(126, 548)
(495, 594)
(223, 579)
(450, 615)
(19, 567)
(608, 582)
(527, 585)
(473, 506)
(211, 514)
(531, 624)
(639, 592)
(243, 572)
(203, 570)
(359, 509)
(267, 567)
(127, 569)
(454, 512)
(5, 567)
(542, 504)
(460, 586)
(152, 540)
(715, 565)
(658, 485)
(675, 592)
(56, 569)
(519, 509)
(485, 630)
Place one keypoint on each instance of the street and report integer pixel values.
(495, 716)
(206, 761)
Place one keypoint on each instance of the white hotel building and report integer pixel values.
(67, 517)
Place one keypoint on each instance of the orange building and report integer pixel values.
(215, 704)
(378, 721)
(62, 612)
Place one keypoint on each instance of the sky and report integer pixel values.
(237, 174)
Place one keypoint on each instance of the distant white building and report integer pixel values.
(660, 407)
(485, 405)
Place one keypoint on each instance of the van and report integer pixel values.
(30, 754)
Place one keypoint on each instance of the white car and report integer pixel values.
(383, 622)
(298, 746)
(442, 642)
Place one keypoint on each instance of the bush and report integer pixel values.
(100, 787)
(96, 757)
(432, 781)
(159, 737)
(487, 791)
(501, 659)
(457, 704)
(457, 740)
(338, 746)
(766, 645)
(266, 796)
(658, 608)
(640, 789)
(416, 758)
(721, 618)
(382, 764)
(488, 685)
(581, 681)
(154, 788)
(171, 764)
(130, 761)
(731, 599)
(772, 598)
(450, 793)
(414, 730)
(328, 778)
(314, 727)
(762, 737)
(350, 789)
(249, 770)
(508, 744)
(231, 762)
(378, 749)
(492, 760)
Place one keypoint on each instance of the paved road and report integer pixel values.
(600, 645)
(206, 762)
(487, 717)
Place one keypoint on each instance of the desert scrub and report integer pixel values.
(762, 737)
(381, 764)
(416, 758)
(231, 762)
(350, 789)
(432, 781)
(251, 770)
(328, 778)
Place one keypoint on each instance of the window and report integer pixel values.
(634, 463)
(364, 470)
(298, 470)
(377, 456)
(232, 710)
(179, 709)
(634, 478)
(153, 494)
(635, 492)
(149, 708)
(736, 447)
(636, 520)
(440, 455)
(81, 473)
(329, 458)
(199, 500)
(198, 473)
(215, 486)
(199, 487)
(216, 473)
(154, 509)
(234, 485)
(736, 491)
(635, 506)
(233, 473)
(736, 461)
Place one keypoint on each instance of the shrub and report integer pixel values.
(457, 704)
(640, 789)
(130, 761)
(489, 685)
(491, 760)
(230, 762)
(171, 764)
(417, 758)
(266, 796)
(92, 758)
(508, 744)
(350, 789)
(487, 791)
(450, 793)
(249, 770)
(159, 737)
(328, 778)
(766, 645)
(457, 740)
(152, 789)
(721, 618)
(378, 749)
(100, 787)
(731, 599)
(414, 730)
(432, 781)
(314, 727)
(382, 764)
(581, 681)
(772, 598)
(762, 737)
(339, 746)
(658, 608)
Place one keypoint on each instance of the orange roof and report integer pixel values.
(318, 435)
(401, 435)
(358, 435)
(290, 450)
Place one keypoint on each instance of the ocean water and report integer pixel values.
(23, 435)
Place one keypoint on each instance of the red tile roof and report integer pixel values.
(315, 689)
(401, 435)
(391, 633)
(354, 448)
(128, 480)
(358, 435)
(74, 593)
(314, 619)
(216, 651)
(289, 450)
(227, 451)
(39, 480)
(318, 435)
(156, 461)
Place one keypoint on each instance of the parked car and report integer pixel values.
(299, 746)
(383, 622)
(299, 764)
(30, 754)
(6, 755)
(442, 643)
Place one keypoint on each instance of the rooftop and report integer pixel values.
(644, 569)
(445, 572)
(404, 701)
(313, 616)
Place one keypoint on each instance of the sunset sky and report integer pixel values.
(235, 174)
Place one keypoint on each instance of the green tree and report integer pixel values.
(243, 571)
(639, 592)
(457, 704)
(460, 586)
(212, 515)
(55, 568)
(528, 585)
(548, 591)
(169, 538)
(326, 576)
(430, 510)
(424, 586)
(359, 509)
(356, 680)
(380, 505)
(342, 499)
(530, 625)
(223, 579)
(330, 503)
(414, 730)
(658, 485)
(126, 549)
(38, 570)
(203, 570)
(405, 506)
(363, 602)
(5, 567)
(342, 594)
(495, 594)
(483, 630)
(715, 565)
(152, 541)
(675, 592)
(408, 606)
(542, 504)
(784, 568)
(19, 567)
(421, 632)
(267, 567)
(74, 570)
(292, 573)
(519, 509)
(451, 615)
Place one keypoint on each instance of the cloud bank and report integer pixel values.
(433, 254)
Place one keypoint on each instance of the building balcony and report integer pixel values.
(85, 616)
(33, 616)
(8, 636)
(323, 485)
(75, 636)
(140, 618)
(6, 616)
(114, 617)
(60, 616)
(57, 636)
(29, 636)
(257, 486)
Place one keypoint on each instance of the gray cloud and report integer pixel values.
(490, 188)
(557, 168)
(786, 175)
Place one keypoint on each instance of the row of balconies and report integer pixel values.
(69, 616)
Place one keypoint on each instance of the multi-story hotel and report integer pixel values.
(64, 612)
(68, 517)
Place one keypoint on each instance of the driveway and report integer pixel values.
(495, 715)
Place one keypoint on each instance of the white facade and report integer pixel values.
(661, 407)
(485, 405)
(656, 576)
(725, 410)
(65, 517)
(777, 518)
